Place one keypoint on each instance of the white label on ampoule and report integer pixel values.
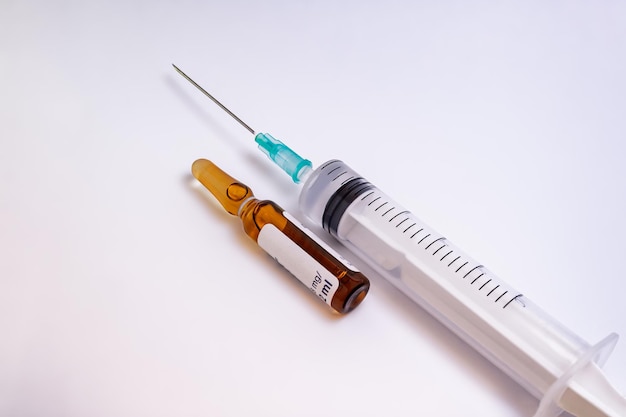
(295, 260)
(320, 242)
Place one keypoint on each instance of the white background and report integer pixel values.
(125, 290)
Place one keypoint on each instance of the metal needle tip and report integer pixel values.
(216, 101)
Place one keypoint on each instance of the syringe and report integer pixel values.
(548, 360)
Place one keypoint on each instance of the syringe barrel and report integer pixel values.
(479, 307)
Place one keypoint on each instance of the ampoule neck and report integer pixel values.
(244, 203)
(229, 192)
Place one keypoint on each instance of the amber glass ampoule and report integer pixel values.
(334, 280)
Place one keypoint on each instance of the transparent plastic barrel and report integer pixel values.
(487, 313)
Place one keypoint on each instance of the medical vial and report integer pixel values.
(319, 267)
